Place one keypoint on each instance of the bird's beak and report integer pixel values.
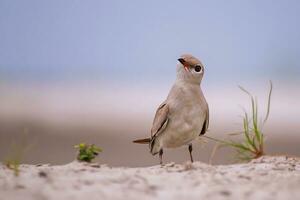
(182, 61)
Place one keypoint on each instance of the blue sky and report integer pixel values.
(139, 41)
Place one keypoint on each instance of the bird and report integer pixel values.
(184, 115)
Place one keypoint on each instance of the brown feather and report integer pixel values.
(142, 141)
(160, 120)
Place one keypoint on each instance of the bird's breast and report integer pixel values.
(185, 123)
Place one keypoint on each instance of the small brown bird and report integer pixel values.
(184, 115)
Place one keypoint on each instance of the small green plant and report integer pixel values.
(252, 145)
(16, 153)
(87, 152)
(13, 164)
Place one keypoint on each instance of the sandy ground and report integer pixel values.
(264, 178)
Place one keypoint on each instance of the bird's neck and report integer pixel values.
(187, 82)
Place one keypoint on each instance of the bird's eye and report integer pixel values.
(197, 68)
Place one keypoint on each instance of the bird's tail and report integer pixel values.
(154, 146)
(142, 141)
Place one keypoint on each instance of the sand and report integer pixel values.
(276, 177)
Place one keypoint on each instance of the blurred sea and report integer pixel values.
(56, 117)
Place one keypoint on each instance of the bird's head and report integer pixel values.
(189, 69)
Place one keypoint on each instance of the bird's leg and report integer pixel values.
(190, 150)
(160, 156)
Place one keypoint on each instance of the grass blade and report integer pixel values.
(269, 102)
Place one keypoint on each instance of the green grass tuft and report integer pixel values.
(252, 144)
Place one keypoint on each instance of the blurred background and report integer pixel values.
(95, 71)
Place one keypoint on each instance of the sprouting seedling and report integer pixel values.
(87, 152)
(16, 154)
(252, 145)
(14, 159)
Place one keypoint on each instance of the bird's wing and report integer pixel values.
(206, 122)
(160, 120)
